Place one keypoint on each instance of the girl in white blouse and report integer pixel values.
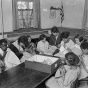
(42, 45)
(65, 75)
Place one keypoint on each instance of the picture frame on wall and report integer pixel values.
(52, 14)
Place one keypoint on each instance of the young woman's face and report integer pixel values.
(77, 41)
(65, 40)
(29, 39)
(67, 62)
(22, 45)
(55, 34)
(4, 46)
(85, 51)
(44, 40)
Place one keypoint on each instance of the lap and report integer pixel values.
(53, 83)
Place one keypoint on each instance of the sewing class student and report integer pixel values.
(42, 45)
(84, 61)
(78, 41)
(66, 41)
(66, 74)
(54, 37)
(18, 47)
(33, 46)
(66, 45)
(3, 49)
(29, 40)
(8, 57)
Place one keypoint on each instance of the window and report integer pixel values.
(25, 14)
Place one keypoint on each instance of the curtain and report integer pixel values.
(85, 16)
(15, 15)
(36, 12)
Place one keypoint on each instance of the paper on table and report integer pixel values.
(51, 50)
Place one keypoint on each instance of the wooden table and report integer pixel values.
(21, 77)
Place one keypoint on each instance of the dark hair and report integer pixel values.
(42, 36)
(65, 35)
(28, 36)
(79, 37)
(54, 30)
(72, 58)
(3, 41)
(84, 45)
(24, 40)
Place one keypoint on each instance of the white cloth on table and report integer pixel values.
(62, 52)
(64, 48)
(51, 50)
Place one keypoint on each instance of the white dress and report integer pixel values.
(10, 59)
(83, 73)
(43, 46)
(70, 76)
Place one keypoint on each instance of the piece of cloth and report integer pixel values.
(51, 50)
(11, 59)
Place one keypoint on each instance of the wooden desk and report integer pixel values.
(21, 77)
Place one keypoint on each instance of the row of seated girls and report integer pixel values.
(69, 50)
(76, 67)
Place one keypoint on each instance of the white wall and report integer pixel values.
(7, 15)
(46, 22)
(73, 11)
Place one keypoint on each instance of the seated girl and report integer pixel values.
(42, 45)
(66, 45)
(9, 59)
(31, 51)
(84, 61)
(65, 75)
(77, 49)
(19, 46)
(29, 40)
(34, 46)
(54, 37)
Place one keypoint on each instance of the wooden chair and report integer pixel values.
(83, 80)
(75, 84)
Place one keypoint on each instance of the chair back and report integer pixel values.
(74, 84)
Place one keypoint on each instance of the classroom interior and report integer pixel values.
(36, 17)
